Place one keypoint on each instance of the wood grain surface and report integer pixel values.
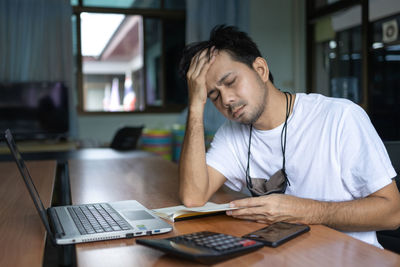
(22, 234)
(154, 183)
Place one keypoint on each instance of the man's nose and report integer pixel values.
(228, 98)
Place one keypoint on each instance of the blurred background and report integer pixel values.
(77, 71)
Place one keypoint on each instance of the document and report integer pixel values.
(178, 213)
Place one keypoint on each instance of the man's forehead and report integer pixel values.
(223, 64)
(222, 54)
(216, 76)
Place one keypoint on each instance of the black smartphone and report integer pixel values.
(278, 233)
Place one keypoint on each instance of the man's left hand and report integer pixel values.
(270, 209)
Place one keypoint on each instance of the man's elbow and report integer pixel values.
(189, 200)
(393, 222)
(397, 226)
(392, 225)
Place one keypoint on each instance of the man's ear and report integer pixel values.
(261, 67)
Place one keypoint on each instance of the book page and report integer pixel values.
(172, 212)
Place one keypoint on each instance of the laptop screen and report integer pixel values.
(27, 179)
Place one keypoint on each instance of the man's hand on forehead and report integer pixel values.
(205, 53)
(196, 76)
(212, 52)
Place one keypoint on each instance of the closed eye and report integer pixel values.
(213, 95)
(228, 84)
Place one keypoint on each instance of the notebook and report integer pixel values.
(90, 222)
(179, 213)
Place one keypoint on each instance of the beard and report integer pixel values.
(255, 114)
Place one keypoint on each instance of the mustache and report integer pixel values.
(233, 106)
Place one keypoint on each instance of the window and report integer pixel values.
(354, 53)
(338, 55)
(384, 106)
(322, 3)
(127, 55)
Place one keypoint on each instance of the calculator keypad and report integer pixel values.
(204, 247)
(215, 241)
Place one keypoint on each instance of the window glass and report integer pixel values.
(74, 37)
(337, 55)
(176, 92)
(323, 3)
(123, 3)
(74, 2)
(74, 50)
(130, 62)
(175, 4)
(153, 62)
(112, 62)
(336, 60)
(384, 95)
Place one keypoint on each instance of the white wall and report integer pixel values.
(277, 26)
(97, 130)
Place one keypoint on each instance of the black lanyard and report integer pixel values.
(283, 143)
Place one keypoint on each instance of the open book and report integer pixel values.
(178, 213)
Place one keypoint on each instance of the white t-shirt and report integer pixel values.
(333, 153)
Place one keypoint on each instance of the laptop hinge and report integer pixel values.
(55, 223)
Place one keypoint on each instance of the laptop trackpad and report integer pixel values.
(135, 215)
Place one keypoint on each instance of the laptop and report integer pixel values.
(90, 222)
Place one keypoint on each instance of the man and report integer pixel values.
(322, 153)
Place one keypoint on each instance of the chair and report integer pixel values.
(126, 138)
(390, 239)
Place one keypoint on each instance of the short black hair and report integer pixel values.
(227, 38)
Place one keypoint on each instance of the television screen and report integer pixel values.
(34, 110)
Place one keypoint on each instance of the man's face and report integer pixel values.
(235, 89)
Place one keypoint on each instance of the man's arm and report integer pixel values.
(378, 211)
(197, 182)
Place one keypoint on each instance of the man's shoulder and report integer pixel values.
(321, 102)
(318, 98)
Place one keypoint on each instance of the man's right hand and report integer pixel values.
(196, 78)
(197, 180)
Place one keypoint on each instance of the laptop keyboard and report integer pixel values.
(97, 218)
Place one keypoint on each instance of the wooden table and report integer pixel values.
(154, 183)
(22, 234)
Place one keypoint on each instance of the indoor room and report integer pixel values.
(162, 111)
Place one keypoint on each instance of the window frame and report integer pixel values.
(314, 14)
(380, 105)
(153, 13)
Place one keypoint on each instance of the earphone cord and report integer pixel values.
(284, 130)
(249, 183)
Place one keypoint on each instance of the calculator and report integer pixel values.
(204, 247)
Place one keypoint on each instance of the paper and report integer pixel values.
(181, 212)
